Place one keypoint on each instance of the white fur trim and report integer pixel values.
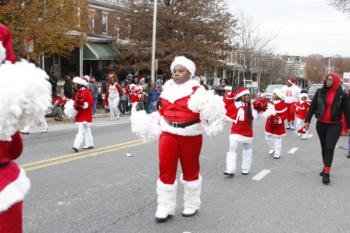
(276, 135)
(25, 96)
(241, 138)
(192, 193)
(191, 130)
(86, 105)
(69, 109)
(228, 88)
(166, 197)
(145, 126)
(2, 53)
(185, 62)
(80, 81)
(15, 191)
(245, 92)
(303, 95)
(172, 91)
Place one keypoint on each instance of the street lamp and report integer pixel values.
(154, 41)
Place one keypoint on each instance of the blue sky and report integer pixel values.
(302, 27)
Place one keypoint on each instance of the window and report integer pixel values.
(117, 28)
(105, 22)
(92, 20)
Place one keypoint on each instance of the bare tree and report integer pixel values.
(315, 70)
(343, 5)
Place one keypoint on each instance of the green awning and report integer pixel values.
(100, 51)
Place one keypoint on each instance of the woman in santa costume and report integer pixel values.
(276, 113)
(113, 93)
(241, 114)
(291, 93)
(186, 110)
(301, 109)
(81, 109)
(20, 82)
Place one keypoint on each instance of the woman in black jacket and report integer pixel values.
(328, 104)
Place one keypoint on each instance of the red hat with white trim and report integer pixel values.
(292, 80)
(81, 81)
(241, 92)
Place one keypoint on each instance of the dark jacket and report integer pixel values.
(340, 104)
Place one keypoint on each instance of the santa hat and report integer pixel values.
(87, 78)
(292, 80)
(228, 88)
(302, 95)
(81, 81)
(278, 92)
(241, 92)
(185, 62)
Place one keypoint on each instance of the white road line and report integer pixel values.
(293, 150)
(261, 175)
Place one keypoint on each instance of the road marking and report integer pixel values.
(81, 155)
(293, 150)
(261, 175)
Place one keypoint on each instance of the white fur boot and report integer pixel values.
(192, 193)
(166, 200)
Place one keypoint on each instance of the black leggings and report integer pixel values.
(329, 135)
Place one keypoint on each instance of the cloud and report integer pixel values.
(302, 27)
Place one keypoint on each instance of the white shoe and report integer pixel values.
(292, 127)
(162, 215)
(245, 172)
(271, 152)
(276, 155)
(188, 212)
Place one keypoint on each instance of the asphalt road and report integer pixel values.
(107, 190)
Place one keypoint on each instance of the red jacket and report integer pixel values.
(241, 129)
(275, 124)
(6, 39)
(84, 114)
(302, 109)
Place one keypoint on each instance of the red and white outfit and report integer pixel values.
(34, 90)
(290, 95)
(83, 103)
(274, 127)
(136, 94)
(14, 185)
(302, 108)
(180, 123)
(241, 134)
(113, 94)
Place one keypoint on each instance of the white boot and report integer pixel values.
(166, 200)
(231, 160)
(192, 193)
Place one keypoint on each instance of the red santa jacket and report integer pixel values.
(302, 108)
(82, 98)
(241, 129)
(275, 124)
(6, 39)
(112, 87)
(174, 102)
(14, 183)
(136, 95)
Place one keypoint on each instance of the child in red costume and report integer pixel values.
(241, 114)
(302, 108)
(186, 109)
(83, 102)
(274, 128)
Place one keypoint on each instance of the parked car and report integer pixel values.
(268, 91)
(312, 90)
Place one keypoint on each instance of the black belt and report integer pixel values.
(3, 165)
(182, 125)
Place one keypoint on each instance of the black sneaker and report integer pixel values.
(321, 173)
(325, 178)
(227, 173)
(75, 149)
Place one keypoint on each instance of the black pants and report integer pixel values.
(123, 106)
(329, 135)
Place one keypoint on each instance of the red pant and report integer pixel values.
(11, 220)
(174, 147)
(291, 112)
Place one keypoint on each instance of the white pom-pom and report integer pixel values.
(198, 100)
(145, 126)
(69, 109)
(25, 95)
(270, 111)
(2, 53)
